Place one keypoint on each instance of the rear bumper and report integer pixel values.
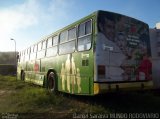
(110, 87)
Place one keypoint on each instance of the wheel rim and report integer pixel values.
(22, 76)
(51, 81)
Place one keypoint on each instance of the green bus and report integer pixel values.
(99, 53)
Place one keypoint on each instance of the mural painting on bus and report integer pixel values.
(125, 43)
(67, 72)
(63, 76)
(78, 80)
(70, 76)
(36, 66)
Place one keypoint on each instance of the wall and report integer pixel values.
(7, 63)
(155, 50)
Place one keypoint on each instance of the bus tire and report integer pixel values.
(52, 82)
(22, 75)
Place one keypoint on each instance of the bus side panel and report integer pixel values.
(49, 64)
(84, 72)
(63, 73)
(76, 73)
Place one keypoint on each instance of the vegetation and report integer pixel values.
(32, 101)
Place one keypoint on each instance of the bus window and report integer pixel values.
(44, 45)
(81, 30)
(63, 37)
(84, 37)
(32, 49)
(26, 52)
(72, 34)
(39, 46)
(35, 48)
(41, 49)
(33, 52)
(68, 47)
(29, 50)
(52, 51)
(55, 40)
(88, 27)
(49, 42)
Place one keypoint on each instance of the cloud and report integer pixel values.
(29, 15)
(18, 17)
(60, 8)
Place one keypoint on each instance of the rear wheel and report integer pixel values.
(51, 82)
(22, 75)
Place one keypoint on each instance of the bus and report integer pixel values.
(99, 53)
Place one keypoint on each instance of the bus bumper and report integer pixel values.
(111, 87)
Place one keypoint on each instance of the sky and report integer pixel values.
(28, 21)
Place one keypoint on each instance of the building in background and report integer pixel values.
(7, 63)
(158, 25)
(155, 49)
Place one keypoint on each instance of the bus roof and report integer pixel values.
(94, 14)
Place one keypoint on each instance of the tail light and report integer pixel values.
(101, 71)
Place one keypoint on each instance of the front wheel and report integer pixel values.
(51, 82)
(22, 75)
